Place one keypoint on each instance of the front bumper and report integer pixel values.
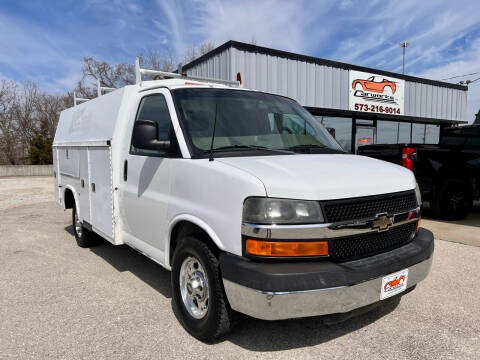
(274, 291)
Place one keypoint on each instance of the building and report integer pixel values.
(359, 105)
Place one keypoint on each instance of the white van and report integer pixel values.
(244, 196)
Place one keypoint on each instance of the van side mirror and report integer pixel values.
(145, 136)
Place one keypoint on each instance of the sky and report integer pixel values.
(45, 41)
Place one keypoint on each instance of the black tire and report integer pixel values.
(218, 319)
(82, 235)
(452, 200)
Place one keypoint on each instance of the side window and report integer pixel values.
(154, 107)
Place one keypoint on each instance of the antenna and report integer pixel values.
(404, 45)
(213, 135)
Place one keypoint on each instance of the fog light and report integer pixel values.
(286, 248)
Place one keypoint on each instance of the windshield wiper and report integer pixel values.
(238, 146)
(307, 146)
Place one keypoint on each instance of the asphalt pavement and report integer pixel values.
(59, 301)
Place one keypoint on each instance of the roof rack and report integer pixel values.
(103, 89)
(77, 100)
(180, 75)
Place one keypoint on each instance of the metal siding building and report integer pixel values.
(322, 86)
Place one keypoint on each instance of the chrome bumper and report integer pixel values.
(286, 305)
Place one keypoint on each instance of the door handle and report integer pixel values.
(125, 170)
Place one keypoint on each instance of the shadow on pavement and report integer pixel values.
(473, 218)
(249, 333)
(124, 258)
(261, 335)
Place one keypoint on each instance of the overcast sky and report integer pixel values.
(45, 40)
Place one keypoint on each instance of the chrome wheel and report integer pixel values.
(194, 287)
(78, 226)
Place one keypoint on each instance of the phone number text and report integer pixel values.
(377, 108)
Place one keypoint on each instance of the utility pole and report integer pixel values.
(404, 45)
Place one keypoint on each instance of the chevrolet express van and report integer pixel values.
(244, 196)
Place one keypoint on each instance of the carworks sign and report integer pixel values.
(376, 93)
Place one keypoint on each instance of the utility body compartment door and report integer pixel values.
(101, 206)
(83, 190)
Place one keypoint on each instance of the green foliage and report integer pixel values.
(40, 152)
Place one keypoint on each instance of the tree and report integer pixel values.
(48, 108)
(119, 75)
(40, 152)
(25, 114)
(26, 117)
(8, 126)
(29, 117)
(195, 52)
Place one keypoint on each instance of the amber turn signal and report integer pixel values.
(286, 248)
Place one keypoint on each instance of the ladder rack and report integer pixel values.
(180, 75)
(103, 89)
(78, 100)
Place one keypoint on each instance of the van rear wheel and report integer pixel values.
(82, 235)
(198, 297)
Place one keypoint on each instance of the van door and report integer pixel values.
(146, 188)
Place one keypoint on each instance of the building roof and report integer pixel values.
(310, 59)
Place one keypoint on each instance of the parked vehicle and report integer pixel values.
(244, 196)
(448, 173)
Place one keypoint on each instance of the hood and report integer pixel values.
(324, 176)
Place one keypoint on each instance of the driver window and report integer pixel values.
(154, 107)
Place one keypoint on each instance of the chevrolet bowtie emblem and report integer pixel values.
(382, 223)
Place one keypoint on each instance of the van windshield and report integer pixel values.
(248, 121)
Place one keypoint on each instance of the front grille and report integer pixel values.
(357, 246)
(368, 207)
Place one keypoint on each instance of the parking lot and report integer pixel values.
(61, 301)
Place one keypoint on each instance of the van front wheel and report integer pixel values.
(198, 297)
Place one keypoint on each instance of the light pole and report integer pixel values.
(404, 45)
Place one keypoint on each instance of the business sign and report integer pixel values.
(376, 93)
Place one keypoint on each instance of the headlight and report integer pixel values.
(418, 195)
(257, 210)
